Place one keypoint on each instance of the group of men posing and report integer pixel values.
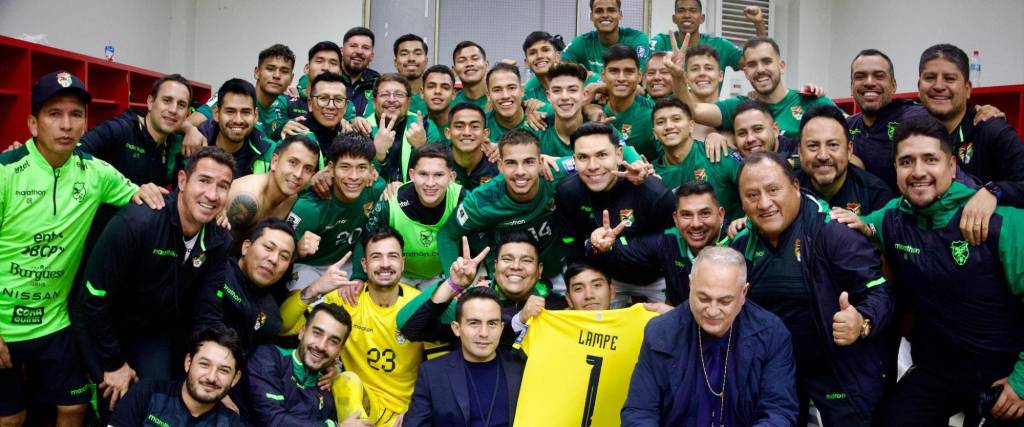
(306, 254)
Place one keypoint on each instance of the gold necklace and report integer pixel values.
(725, 371)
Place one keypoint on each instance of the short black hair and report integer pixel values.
(574, 269)
(517, 136)
(337, 312)
(359, 31)
(211, 152)
(695, 188)
(873, 52)
(475, 292)
(703, 50)
(238, 87)
(543, 36)
(383, 233)
(620, 51)
(618, 4)
(177, 78)
(277, 50)
(324, 46)
(567, 69)
(925, 125)
(352, 144)
(771, 157)
(222, 336)
(519, 236)
(270, 224)
(467, 43)
(410, 38)
(948, 52)
(299, 138)
(670, 102)
(392, 77)
(700, 5)
(499, 67)
(467, 106)
(432, 150)
(325, 77)
(439, 68)
(829, 112)
(753, 104)
(757, 41)
(594, 128)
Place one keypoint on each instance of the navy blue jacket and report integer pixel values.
(158, 403)
(257, 148)
(836, 259)
(282, 393)
(873, 144)
(992, 152)
(125, 143)
(441, 397)
(861, 192)
(668, 369)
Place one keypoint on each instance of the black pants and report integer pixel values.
(832, 403)
(928, 397)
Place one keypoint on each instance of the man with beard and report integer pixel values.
(325, 119)
(271, 195)
(420, 208)
(684, 158)
(393, 118)
(688, 17)
(139, 146)
(763, 66)
(330, 228)
(625, 111)
(283, 383)
(599, 187)
(377, 352)
(439, 94)
(410, 61)
(470, 64)
(212, 367)
(589, 49)
(505, 95)
(990, 151)
(825, 169)
(148, 259)
(356, 55)
(756, 130)
(232, 128)
(468, 133)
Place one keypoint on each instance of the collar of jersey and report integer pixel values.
(38, 158)
(539, 289)
(303, 379)
(942, 210)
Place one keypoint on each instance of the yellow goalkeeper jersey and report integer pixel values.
(579, 365)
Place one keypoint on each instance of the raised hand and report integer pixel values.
(294, 126)
(852, 220)
(322, 182)
(634, 172)
(847, 322)
(463, 270)
(534, 305)
(308, 244)
(385, 136)
(332, 279)
(677, 61)
(192, 141)
(416, 134)
(753, 14)
(361, 125)
(602, 239)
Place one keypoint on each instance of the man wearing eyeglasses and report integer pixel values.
(396, 131)
(327, 102)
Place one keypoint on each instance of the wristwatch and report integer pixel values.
(995, 189)
(865, 328)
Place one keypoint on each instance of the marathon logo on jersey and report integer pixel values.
(797, 111)
(966, 152)
(853, 207)
(27, 315)
(626, 216)
(30, 195)
(78, 191)
(35, 274)
(293, 220)
(700, 175)
(961, 252)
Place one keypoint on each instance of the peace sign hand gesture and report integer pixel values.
(463, 270)
(677, 61)
(602, 239)
(417, 135)
(385, 134)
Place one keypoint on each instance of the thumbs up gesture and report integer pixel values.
(602, 239)
(847, 322)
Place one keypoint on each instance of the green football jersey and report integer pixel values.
(406, 148)
(416, 105)
(340, 225)
(635, 127)
(460, 96)
(270, 118)
(497, 130)
(552, 145)
(587, 50)
(787, 112)
(728, 54)
(441, 138)
(45, 216)
(532, 89)
(722, 176)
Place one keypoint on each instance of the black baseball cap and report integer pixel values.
(56, 83)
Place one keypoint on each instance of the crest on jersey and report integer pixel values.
(965, 152)
(700, 175)
(550, 207)
(367, 207)
(461, 215)
(961, 251)
(64, 79)
(197, 261)
(293, 220)
(626, 129)
(797, 111)
(626, 216)
(78, 191)
(426, 237)
(261, 319)
(854, 206)
(891, 129)
(796, 249)
(399, 337)
(484, 180)
(641, 51)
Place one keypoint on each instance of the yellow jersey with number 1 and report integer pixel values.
(579, 365)
(385, 361)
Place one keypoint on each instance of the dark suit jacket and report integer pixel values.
(441, 398)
